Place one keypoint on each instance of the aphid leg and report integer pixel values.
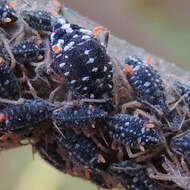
(53, 93)
(32, 90)
(131, 155)
(120, 154)
(103, 148)
(106, 38)
(133, 105)
(57, 128)
(177, 102)
(146, 115)
(102, 136)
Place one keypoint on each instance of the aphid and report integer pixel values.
(82, 150)
(184, 91)
(146, 83)
(26, 51)
(133, 131)
(82, 60)
(181, 144)
(7, 13)
(17, 117)
(134, 176)
(9, 86)
(39, 20)
(78, 116)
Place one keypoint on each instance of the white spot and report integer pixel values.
(84, 37)
(85, 31)
(69, 46)
(109, 85)
(94, 69)
(86, 52)
(67, 28)
(66, 74)
(73, 81)
(62, 65)
(85, 78)
(85, 88)
(75, 36)
(92, 96)
(105, 68)
(91, 60)
(147, 84)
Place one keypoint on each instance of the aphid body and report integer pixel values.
(26, 51)
(82, 150)
(9, 86)
(133, 176)
(78, 116)
(82, 60)
(146, 83)
(39, 20)
(7, 13)
(17, 117)
(132, 131)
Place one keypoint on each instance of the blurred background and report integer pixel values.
(160, 27)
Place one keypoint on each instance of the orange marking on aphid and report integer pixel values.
(2, 117)
(150, 60)
(1, 60)
(7, 20)
(6, 137)
(87, 173)
(11, 3)
(141, 147)
(56, 49)
(97, 30)
(128, 69)
(150, 126)
(53, 13)
(101, 158)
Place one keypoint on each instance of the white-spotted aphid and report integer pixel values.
(27, 115)
(133, 131)
(82, 150)
(78, 116)
(80, 58)
(26, 51)
(146, 83)
(39, 20)
(134, 176)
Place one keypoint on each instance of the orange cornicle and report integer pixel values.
(1, 60)
(56, 49)
(128, 69)
(150, 126)
(97, 30)
(149, 60)
(87, 173)
(7, 20)
(2, 117)
(53, 13)
(12, 3)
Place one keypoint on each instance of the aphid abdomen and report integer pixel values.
(9, 86)
(181, 145)
(38, 20)
(82, 150)
(27, 115)
(132, 131)
(78, 116)
(146, 83)
(7, 13)
(133, 176)
(26, 51)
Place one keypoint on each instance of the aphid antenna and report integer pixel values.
(8, 101)
(57, 128)
(86, 100)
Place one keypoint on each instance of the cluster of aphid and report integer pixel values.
(58, 91)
